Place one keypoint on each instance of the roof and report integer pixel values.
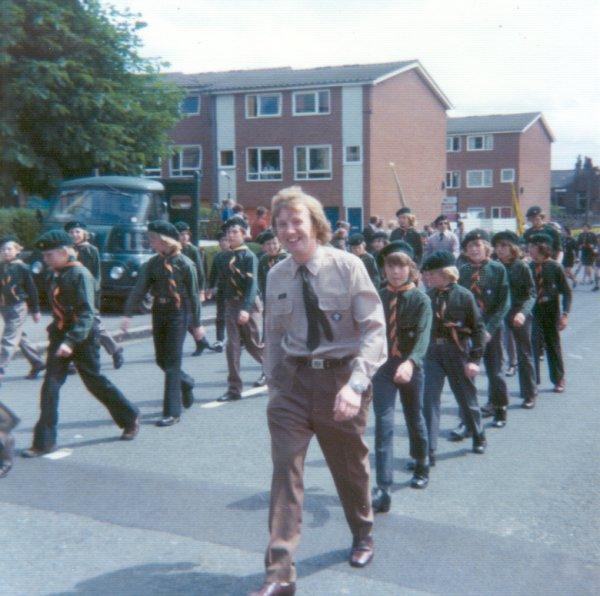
(496, 123)
(287, 77)
(120, 182)
(561, 178)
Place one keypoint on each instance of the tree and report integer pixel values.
(75, 94)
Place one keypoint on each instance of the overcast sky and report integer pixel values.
(487, 57)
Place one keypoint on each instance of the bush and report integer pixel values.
(22, 223)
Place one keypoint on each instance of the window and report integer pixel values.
(263, 163)
(353, 154)
(312, 162)
(480, 143)
(476, 212)
(507, 175)
(452, 144)
(479, 178)
(311, 102)
(266, 105)
(190, 105)
(453, 179)
(227, 158)
(502, 212)
(186, 160)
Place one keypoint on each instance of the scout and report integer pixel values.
(570, 250)
(537, 219)
(193, 254)
(216, 287)
(322, 347)
(588, 244)
(88, 256)
(243, 308)
(71, 291)
(456, 320)
(358, 247)
(8, 421)
(548, 319)
(442, 238)
(273, 253)
(488, 282)
(407, 231)
(171, 279)
(519, 316)
(18, 296)
(408, 316)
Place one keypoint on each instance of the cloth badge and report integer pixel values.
(336, 316)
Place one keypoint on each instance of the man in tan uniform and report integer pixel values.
(325, 339)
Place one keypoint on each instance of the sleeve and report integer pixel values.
(565, 289)
(142, 285)
(83, 309)
(501, 302)
(474, 321)
(33, 300)
(214, 272)
(274, 332)
(526, 282)
(191, 284)
(424, 322)
(197, 260)
(250, 266)
(418, 247)
(95, 263)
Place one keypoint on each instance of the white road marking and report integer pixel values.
(59, 454)
(213, 404)
(254, 391)
(575, 356)
(249, 393)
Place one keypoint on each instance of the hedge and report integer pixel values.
(22, 223)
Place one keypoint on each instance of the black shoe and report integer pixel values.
(432, 459)
(411, 464)
(131, 431)
(201, 346)
(187, 397)
(487, 410)
(479, 444)
(35, 371)
(229, 397)
(420, 478)
(528, 403)
(510, 371)
(499, 418)
(72, 370)
(168, 421)
(34, 452)
(217, 346)
(460, 432)
(261, 381)
(381, 500)
(118, 359)
(595, 289)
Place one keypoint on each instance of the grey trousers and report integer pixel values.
(14, 318)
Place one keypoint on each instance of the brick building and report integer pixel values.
(333, 130)
(576, 192)
(487, 155)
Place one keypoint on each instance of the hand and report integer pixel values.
(37, 317)
(202, 296)
(208, 294)
(404, 372)
(64, 351)
(198, 333)
(125, 324)
(518, 320)
(243, 317)
(347, 404)
(471, 369)
(487, 337)
(563, 322)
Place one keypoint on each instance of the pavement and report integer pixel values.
(183, 510)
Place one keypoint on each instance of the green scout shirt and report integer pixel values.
(17, 285)
(522, 288)
(413, 321)
(216, 279)
(372, 269)
(553, 284)
(193, 254)
(240, 276)
(265, 264)
(494, 291)
(154, 278)
(463, 313)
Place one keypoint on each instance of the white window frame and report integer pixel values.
(153, 172)
(260, 170)
(228, 166)
(258, 96)
(483, 178)
(355, 161)
(191, 113)
(487, 142)
(307, 149)
(512, 176)
(498, 210)
(317, 111)
(179, 173)
(479, 211)
(451, 139)
(450, 176)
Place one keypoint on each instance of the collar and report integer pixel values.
(313, 264)
(404, 288)
(240, 247)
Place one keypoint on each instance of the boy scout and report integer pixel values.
(588, 245)
(8, 421)
(488, 282)
(407, 231)
(455, 349)
(537, 219)
(408, 316)
(273, 253)
(322, 347)
(89, 257)
(71, 291)
(243, 308)
(216, 287)
(380, 239)
(358, 247)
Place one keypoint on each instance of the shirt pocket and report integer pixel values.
(338, 310)
(279, 307)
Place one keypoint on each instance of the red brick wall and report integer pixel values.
(534, 164)
(407, 126)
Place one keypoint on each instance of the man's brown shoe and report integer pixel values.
(362, 552)
(130, 432)
(559, 387)
(276, 589)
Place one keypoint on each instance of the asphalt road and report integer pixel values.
(183, 510)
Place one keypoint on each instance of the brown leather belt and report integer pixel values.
(320, 363)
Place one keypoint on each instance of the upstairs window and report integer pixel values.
(263, 163)
(507, 175)
(453, 179)
(186, 160)
(226, 158)
(265, 105)
(190, 105)
(353, 154)
(452, 144)
(479, 178)
(311, 102)
(480, 143)
(313, 162)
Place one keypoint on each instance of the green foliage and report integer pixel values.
(76, 95)
(21, 223)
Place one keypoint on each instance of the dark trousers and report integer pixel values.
(447, 360)
(492, 360)
(220, 318)
(384, 405)
(169, 325)
(86, 356)
(545, 332)
(522, 337)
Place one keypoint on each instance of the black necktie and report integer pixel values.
(314, 315)
(441, 236)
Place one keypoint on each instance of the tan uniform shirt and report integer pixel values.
(350, 302)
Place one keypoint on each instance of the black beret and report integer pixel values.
(439, 219)
(236, 220)
(533, 211)
(403, 211)
(381, 235)
(265, 236)
(438, 260)
(71, 225)
(476, 234)
(182, 226)
(356, 239)
(395, 246)
(10, 238)
(505, 236)
(164, 228)
(540, 238)
(53, 239)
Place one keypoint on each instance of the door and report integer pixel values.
(333, 215)
(355, 219)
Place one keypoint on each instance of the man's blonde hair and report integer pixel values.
(293, 198)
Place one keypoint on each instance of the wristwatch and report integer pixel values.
(358, 387)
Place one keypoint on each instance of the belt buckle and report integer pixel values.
(317, 363)
(440, 341)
